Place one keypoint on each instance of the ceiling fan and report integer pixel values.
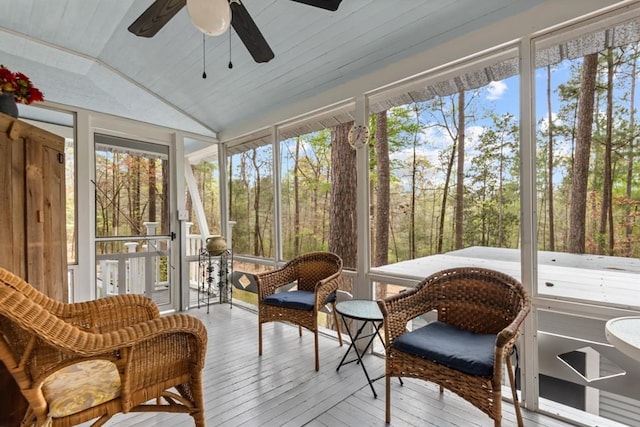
(161, 11)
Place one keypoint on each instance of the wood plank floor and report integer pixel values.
(281, 388)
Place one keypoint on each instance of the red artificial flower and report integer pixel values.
(20, 85)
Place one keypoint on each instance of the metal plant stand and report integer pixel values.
(214, 273)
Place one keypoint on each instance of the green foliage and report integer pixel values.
(123, 193)
(422, 139)
(251, 202)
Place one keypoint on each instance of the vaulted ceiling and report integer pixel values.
(80, 53)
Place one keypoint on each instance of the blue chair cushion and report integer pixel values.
(299, 300)
(450, 346)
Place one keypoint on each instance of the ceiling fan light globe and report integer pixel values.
(212, 17)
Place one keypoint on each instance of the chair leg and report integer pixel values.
(101, 421)
(387, 398)
(198, 397)
(335, 319)
(29, 418)
(259, 338)
(199, 419)
(315, 333)
(516, 402)
(299, 330)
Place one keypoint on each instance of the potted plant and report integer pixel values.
(16, 88)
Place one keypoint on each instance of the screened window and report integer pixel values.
(445, 170)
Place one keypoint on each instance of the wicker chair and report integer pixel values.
(317, 275)
(78, 362)
(479, 312)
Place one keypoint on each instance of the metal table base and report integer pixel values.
(369, 314)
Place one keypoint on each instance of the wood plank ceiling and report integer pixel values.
(80, 53)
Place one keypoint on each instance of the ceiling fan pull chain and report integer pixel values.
(204, 58)
(230, 63)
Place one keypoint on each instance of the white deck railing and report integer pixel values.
(145, 254)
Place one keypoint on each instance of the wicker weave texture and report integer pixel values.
(319, 272)
(153, 353)
(475, 299)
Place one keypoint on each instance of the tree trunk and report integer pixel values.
(296, 201)
(381, 243)
(189, 205)
(412, 204)
(501, 162)
(552, 241)
(583, 150)
(605, 208)
(257, 243)
(153, 191)
(445, 194)
(630, 157)
(165, 211)
(342, 221)
(135, 214)
(459, 222)
(115, 203)
(230, 176)
(382, 197)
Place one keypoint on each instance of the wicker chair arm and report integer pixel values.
(325, 287)
(504, 342)
(110, 313)
(397, 310)
(90, 345)
(510, 333)
(269, 281)
(162, 326)
(100, 315)
(57, 334)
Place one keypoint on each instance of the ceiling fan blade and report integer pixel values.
(249, 33)
(331, 5)
(155, 17)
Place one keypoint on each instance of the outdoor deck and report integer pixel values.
(282, 388)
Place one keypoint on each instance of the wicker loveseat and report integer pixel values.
(78, 362)
(479, 313)
(317, 276)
